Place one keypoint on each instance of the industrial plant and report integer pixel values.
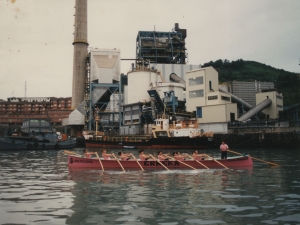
(160, 89)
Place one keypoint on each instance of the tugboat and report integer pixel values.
(182, 135)
(37, 134)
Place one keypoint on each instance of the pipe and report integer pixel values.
(153, 107)
(257, 109)
(234, 99)
(177, 79)
(237, 100)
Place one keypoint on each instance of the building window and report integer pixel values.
(135, 112)
(278, 96)
(279, 106)
(199, 112)
(196, 93)
(225, 98)
(195, 81)
(213, 97)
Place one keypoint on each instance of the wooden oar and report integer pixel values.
(71, 153)
(119, 163)
(138, 162)
(274, 164)
(197, 161)
(218, 162)
(183, 163)
(159, 162)
(100, 161)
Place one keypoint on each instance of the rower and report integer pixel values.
(197, 156)
(162, 157)
(143, 156)
(106, 156)
(178, 156)
(88, 155)
(124, 156)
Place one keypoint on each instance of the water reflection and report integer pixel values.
(37, 187)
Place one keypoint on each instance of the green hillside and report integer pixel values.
(286, 82)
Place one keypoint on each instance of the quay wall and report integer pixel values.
(260, 137)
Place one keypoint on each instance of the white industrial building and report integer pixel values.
(272, 112)
(213, 108)
(103, 70)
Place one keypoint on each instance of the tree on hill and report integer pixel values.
(240, 70)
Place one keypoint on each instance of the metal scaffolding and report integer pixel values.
(102, 104)
(162, 47)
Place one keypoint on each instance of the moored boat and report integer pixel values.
(37, 134)
(47, 140)
(129, 147)
(183, 135)
(238, 162)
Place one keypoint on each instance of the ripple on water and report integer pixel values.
(47, 193)
(200, 221)
(289, 218)
(228, 208)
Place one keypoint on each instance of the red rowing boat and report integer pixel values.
(238, 162)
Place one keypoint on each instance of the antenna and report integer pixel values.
(25, 88)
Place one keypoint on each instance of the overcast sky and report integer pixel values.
(36, 36)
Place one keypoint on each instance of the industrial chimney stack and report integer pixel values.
(80, 53)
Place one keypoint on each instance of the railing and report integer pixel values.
(122, 139)
(274, 126)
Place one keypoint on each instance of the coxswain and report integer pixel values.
(224, 147)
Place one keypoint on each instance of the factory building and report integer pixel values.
(102, 96)
(162, 47)
(213, 108)
(247, 90)
(17, 109)
(273, 111)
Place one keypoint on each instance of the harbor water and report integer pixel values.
(36, 187)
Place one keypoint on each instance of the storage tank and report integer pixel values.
(176, 87)
(139, 81)
(144, 78)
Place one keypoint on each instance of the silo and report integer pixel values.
(139, 81)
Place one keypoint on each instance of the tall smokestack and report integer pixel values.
(80, 53)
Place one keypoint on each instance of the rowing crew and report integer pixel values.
(142, 156)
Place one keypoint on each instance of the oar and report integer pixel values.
(159, 162)
(71, 153)
(138, 162)
(218, 162)
(183, 163)
(197, 161)
(119, 163)
(274, 164)
(100, 161)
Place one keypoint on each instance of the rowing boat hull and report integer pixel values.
(239, 162)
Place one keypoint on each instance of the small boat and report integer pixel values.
(37, 134)
(238, 162)
(129, 147)
(47, 140)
